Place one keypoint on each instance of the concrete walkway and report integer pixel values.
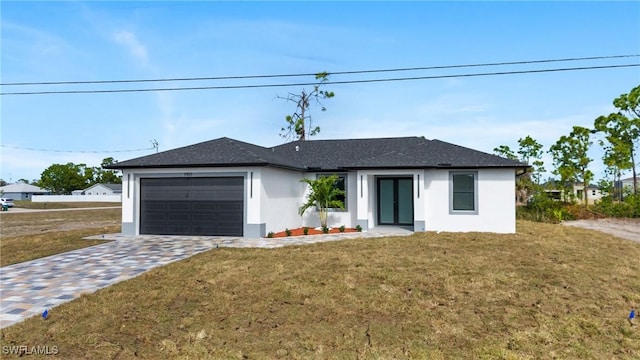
(28, 288)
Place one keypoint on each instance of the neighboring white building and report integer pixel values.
(21, 191)
(228, 187)
(593, 193)
(100, 189)
(628, 183)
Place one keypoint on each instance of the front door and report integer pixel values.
(395, 201)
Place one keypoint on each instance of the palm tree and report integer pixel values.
(324, 195)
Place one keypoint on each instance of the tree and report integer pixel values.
(299, 125)
(622, 134)
(2, 182)
(523, 182)
(105, 176)
(571, 160)
(62, 179)
(324, 195)
(505, 151)
(530, 150)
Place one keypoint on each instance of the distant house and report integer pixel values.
(22, 191)
(623, 187)
(628, 183)
(593, 193)
(100, 189)
(574, 192)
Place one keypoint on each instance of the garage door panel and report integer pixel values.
(192, 206)
(178, 206)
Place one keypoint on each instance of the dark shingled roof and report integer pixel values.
(215, 153)
(325, 155)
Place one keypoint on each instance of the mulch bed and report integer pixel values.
(312, 231)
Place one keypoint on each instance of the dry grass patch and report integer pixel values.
(29, 247)
(28, 236)
(26, 204)
(548, 291)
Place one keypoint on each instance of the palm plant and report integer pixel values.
(323, 195)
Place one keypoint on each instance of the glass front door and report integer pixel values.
(395, 201)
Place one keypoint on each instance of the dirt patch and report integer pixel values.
(622, 228)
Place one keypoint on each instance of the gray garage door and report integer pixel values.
(192, 206)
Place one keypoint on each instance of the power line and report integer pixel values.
(79, 151)
(440, 67)
(226, 87)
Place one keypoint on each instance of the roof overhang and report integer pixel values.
(182, 166)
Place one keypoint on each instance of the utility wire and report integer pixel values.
(313, 74)
(325, 83)
(76, 151)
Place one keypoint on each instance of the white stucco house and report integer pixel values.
(593, 193)
(100, 189)
(627, 183)
(232, 188)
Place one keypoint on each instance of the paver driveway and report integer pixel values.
(28, 288)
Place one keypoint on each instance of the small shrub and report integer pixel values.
(270, 234)
(287, 231)
(542, 208)
(325, 230)
(305, 230)
(558, 214)
(341, 228)
(358, 228)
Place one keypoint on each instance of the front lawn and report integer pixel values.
(32, 235)
(549, 291)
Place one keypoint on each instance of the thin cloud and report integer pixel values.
(133, 45)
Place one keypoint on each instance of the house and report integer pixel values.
(230, 187)
(628, 183)
(100, 189)
(21, 191)
(593, 193)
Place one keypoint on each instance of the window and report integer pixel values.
(463, 192)
(340, 184)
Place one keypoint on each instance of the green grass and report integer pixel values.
(549, 291)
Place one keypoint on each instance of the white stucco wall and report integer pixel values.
(281, 194)
(367, 198)
(496, 204)
(129, 186)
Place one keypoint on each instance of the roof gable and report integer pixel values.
(112, 187)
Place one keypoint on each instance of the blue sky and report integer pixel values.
(80, 41)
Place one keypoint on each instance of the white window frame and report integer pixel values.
(453, 211)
